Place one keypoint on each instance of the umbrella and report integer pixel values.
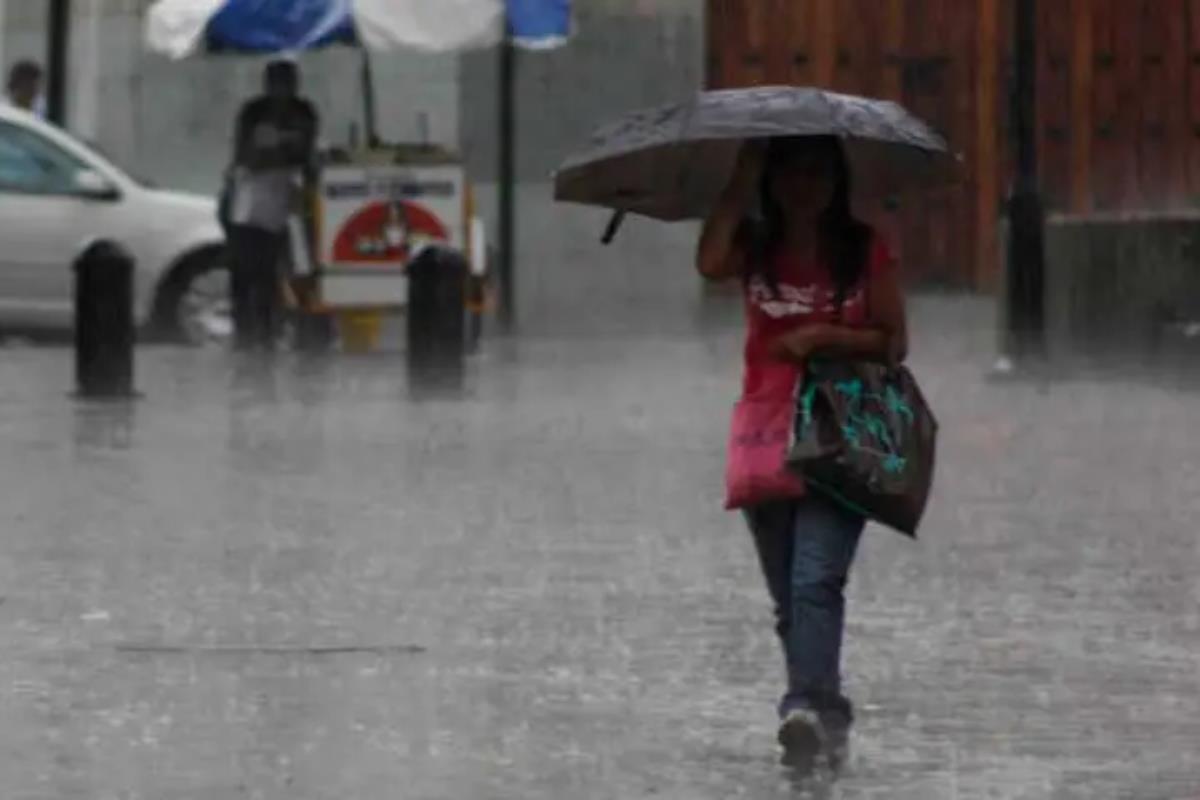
(178, 28)
(671, 162)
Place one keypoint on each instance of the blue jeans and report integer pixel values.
(806, 548)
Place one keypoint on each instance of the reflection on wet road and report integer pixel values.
(315, 580)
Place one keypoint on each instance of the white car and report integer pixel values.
(57, 196)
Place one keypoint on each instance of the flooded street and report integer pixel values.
(311, 579)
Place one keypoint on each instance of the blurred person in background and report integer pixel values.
(274, 154)
(25, 84)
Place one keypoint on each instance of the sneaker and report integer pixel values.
(802, 734)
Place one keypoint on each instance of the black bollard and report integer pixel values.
(437, 284)
(104, 328)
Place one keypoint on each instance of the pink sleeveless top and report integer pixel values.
(805, 294)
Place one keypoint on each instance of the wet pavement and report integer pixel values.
(312, 579)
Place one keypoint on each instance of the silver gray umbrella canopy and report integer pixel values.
(671, 162)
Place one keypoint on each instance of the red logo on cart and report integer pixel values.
(385, 233)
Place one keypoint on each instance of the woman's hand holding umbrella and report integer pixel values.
(719, 255)
(747, 176)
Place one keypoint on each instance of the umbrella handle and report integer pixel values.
(614, 224)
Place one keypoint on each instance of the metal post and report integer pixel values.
(3, 27)
(85, 70)
(1026, 212)
(59, 39)
(370, 118)
(506, 179)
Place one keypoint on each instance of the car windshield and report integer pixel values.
(104, 154)
(100, 154)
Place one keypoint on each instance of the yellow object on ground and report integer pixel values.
(360, 329)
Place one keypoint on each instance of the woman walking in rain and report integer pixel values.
(817, 282)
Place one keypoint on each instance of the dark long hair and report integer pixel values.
(844, 239)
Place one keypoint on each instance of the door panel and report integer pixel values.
(40, 244)
(42, 226)
(920, 52)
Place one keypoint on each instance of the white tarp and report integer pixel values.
(176, 28)
(440, 25)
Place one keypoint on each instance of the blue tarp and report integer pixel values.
(539, 22)
(280, 25)
(291, 25)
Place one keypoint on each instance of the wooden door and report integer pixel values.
(918, 52)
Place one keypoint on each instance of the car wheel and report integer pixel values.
(194, 305)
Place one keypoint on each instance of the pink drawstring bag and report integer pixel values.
(759, 440)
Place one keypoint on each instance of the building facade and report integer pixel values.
(1118, 102)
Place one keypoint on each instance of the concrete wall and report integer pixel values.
(171, 122)
(624, 55)
(618, 60)
(1120, 283)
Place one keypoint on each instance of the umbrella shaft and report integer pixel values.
(506, 179)
(368, 91)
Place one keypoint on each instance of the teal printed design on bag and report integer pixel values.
(850, 434)
(863, 426)
(807, 400)
(877, 428)
(898, 405)
(852, 389)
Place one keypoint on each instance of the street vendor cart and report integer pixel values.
(364, 217)
(371, 215)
